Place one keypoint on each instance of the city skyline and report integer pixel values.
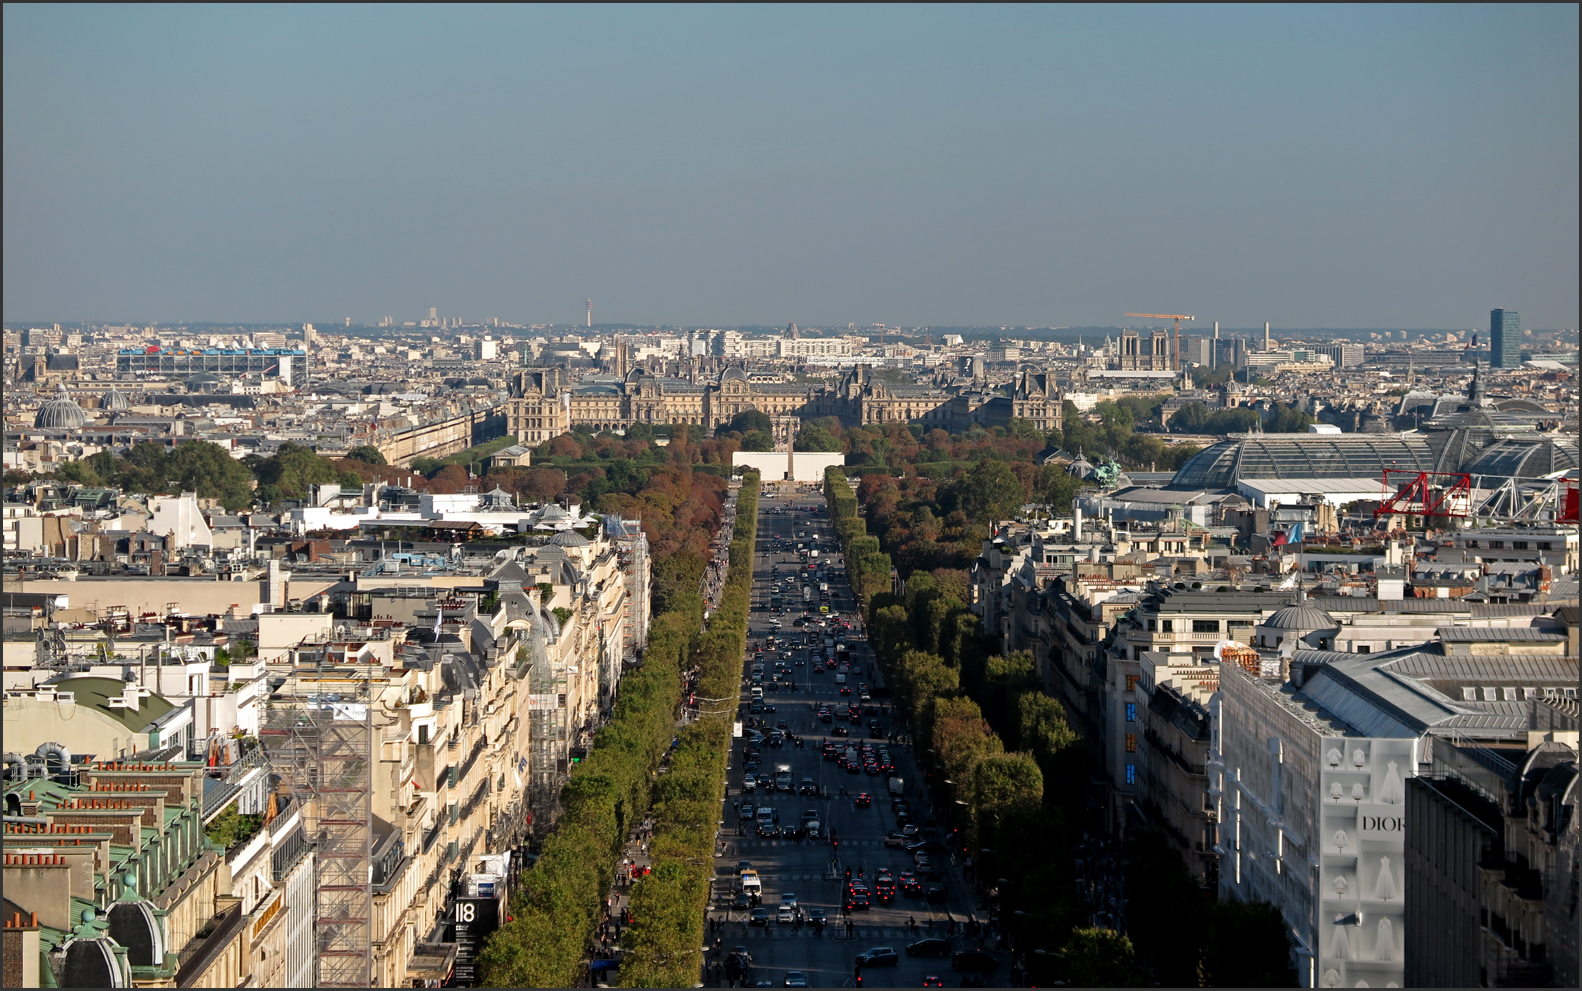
(942, 166)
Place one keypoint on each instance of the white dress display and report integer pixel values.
(1331, 978)
(1333, 757)
(1358, 793)
(1335, 792)
(1340, 948)
(1340, 840)
(1384, 888)
(1384, 946)
(1394, 790)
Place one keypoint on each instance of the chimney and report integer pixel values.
(1266, 345)
(1076, 523)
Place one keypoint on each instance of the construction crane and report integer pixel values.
(1177, 317)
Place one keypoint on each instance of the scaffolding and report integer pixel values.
(318, 730)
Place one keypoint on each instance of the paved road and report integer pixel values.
(814, 870)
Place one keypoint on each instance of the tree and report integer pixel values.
(1005, 782)
(367, 454)
(758, 440)
(990, 490)
(289, 472)
(815, 438)
(749, 420)
(1249, 945)
(1287, 420)
(1101, 958)
(210, 471)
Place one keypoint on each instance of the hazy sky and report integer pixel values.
(1314, 166)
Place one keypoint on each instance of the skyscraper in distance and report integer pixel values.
(1505, 339)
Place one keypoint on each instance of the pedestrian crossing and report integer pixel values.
(750, 843)
(837, 931)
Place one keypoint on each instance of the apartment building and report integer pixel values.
(146, 874)
(1491, 843)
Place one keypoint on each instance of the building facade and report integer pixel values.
(1505, 338)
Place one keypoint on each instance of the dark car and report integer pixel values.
(760, 917)
(929, 948)
(743, 900)
(864, 800)
(973, 960)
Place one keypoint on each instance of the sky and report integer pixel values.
(1322, 166)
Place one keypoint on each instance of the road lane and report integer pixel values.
(814, 871)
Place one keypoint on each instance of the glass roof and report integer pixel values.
(1305, 456)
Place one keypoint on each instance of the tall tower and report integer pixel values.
(1266, 345)
(590, 314)
(1505, 338)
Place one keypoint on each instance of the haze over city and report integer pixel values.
(1402, 166)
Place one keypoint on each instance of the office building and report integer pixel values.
(1505, 338)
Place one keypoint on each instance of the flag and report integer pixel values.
(1279, 539)
(1294, 535)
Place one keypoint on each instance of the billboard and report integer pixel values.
(1362, 842)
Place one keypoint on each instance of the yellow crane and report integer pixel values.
(1177, 317)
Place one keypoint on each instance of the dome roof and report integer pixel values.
(115, 401)
(60, 414)
(734, 373)
(570, 538)
(1302, 616)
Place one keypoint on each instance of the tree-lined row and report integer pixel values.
(1003, 756)
(559, 901)
(670, 905)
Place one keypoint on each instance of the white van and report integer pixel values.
(840, 679)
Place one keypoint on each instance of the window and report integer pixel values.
(1131, 743)
(1152, 626)
(1491, 694)
(1131, 682)
(1364, 649)
(1498, 545)
(1167, 625)
(1131, 774)
(1545, 545)
(1519, 545)
(1205, 626)
(1469, 694)
(1131, 712)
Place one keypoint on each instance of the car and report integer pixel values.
(895, 840)
(840, 731)
(742, 900)
(788, 898)
(785, 915)
(760, 917)
(807, 787)
(933, 981)
(794, 979)
(817, 916)
(857, 900)
(932, 947)
(935, 894)
(878, 956)
(749, 783)
(973, 960)
(864, 800)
